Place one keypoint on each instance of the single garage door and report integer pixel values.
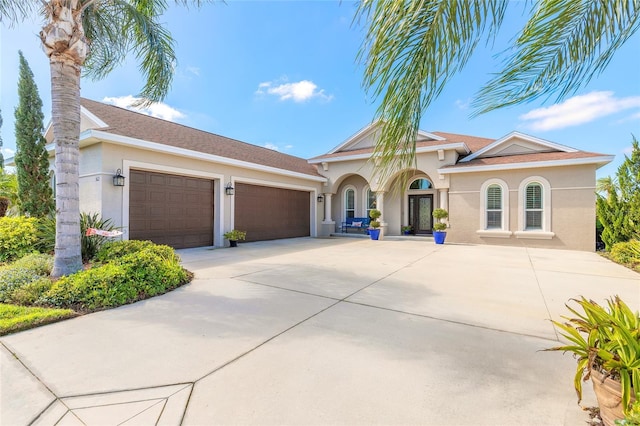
(268, 213)
(169, 209)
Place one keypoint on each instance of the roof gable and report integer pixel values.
(516, 143)
(366, 137)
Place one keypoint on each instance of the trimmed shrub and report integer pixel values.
(100, 287)
(25, 280)
(113, 251)
(128, 276)
(18, 236)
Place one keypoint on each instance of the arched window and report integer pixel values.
(371, 201)
(533, 207)
(421, 183)
(349, 203)
(494, 207)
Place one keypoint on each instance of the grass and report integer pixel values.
(15, 318)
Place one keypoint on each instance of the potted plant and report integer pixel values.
(234, 236)
(374, 225)
(406, 230)
(606, 344)
(439, 227)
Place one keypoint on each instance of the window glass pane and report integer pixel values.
(420, 184)
(534, 220)
(371, 200)
(494, 219)
(350, 199)
(494, 197)
(534, 196)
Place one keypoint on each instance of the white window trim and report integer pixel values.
(504, 231)
(344, 202)
(545, 233)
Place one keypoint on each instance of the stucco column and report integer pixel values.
(380, 205)
(327, 209)
(444, 198)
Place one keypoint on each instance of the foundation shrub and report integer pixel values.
(18, 235)
(41, 264)
(104, 286)
(134, 270)
(115, 250)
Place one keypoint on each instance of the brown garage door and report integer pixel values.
(170, 209)
(268, 213)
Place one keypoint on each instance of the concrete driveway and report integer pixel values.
(322, 331)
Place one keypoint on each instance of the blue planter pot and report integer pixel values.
(439, 236)
(374, 234)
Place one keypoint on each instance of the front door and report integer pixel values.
(420, 213)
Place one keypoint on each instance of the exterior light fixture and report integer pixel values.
(320, 198)
(228, 189)
(118, 179)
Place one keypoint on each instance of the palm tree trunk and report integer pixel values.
(65, 97)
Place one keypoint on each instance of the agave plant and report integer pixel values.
(606, 339)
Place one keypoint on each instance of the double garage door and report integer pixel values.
(178, 210)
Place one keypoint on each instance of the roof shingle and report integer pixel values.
(140, 126)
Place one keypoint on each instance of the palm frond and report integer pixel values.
(12, 12)
(411, 49)
(562, 47)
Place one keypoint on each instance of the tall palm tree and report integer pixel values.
(413, 47)
(93, 36)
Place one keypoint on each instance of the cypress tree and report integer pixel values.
(32, 159)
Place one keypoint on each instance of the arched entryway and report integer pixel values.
(420, 202)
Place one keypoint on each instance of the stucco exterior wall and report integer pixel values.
(572, 207)
(103, 159)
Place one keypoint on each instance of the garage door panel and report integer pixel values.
(170, 209)
(269, 213)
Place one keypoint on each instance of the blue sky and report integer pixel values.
(284, 75)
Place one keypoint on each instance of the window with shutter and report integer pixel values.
(494, 207)
(533, 207)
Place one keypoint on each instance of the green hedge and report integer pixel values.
(136, 270)
(18, 236)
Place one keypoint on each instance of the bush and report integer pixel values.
(135, 270)
(626, 252)
(25, 280)
(46, 234)
(12, 278)
(100, 287)
(117, 249)
(29, 293)
(39, 263)
(18, 236)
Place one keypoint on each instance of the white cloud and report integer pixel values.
(578, 110)
(460, 104)
(298, 92)
(194, 70)
(156, 109)
(275, 147)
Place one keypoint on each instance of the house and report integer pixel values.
(185, 187)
